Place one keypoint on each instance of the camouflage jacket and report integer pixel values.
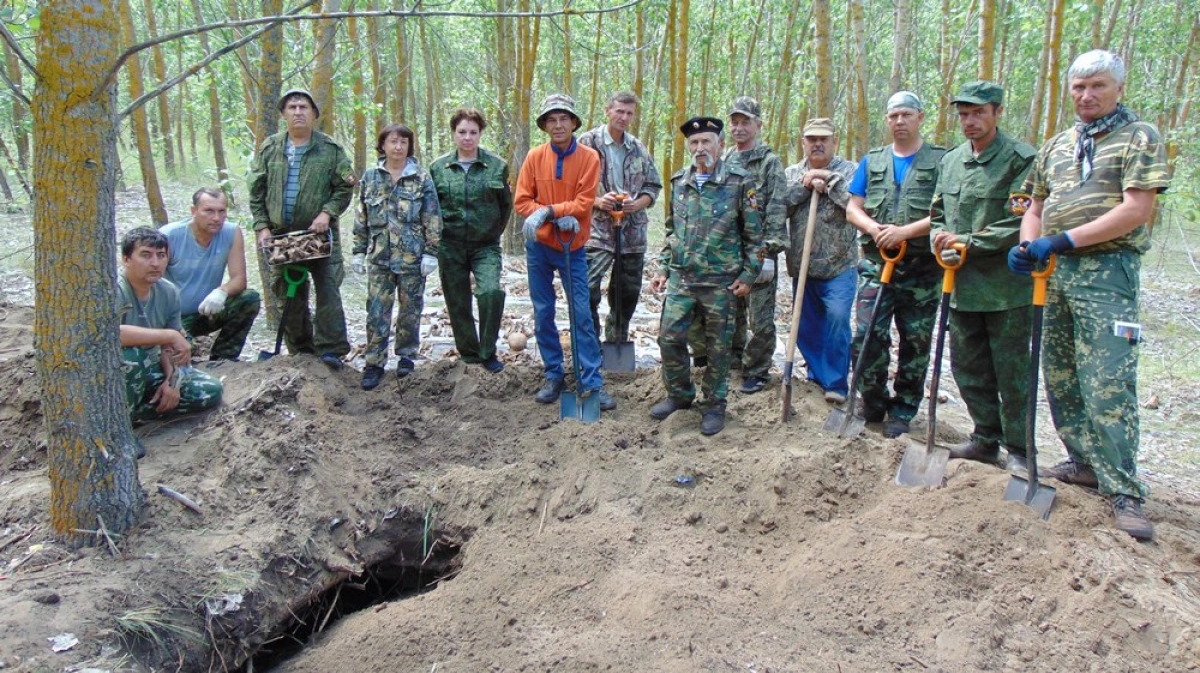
(326, 184)
(972, 201)
(762, 163)
(714, 233)
(834, 246)
(476, 204)
(641, 178)
(397, 222)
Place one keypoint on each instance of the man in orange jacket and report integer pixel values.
(555, 192)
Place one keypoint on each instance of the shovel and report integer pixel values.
(797, 304)
(572, 403)
(925, 466)
(619, 356)
(844, 421)
(293, 284)
(1021, 489)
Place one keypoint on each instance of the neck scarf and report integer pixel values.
(1085, 143)
(562, 154)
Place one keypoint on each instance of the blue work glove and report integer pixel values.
(568, 224)
(533, 222)
(1041, 248)
(1020, 261)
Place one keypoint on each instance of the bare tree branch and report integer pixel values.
(12, 87)
(398, 13)
(11, 41)
(192, 70)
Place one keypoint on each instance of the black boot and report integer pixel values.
(714, 419)
(977, 451)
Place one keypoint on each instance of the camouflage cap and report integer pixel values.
(701, 125)
(745, 105)
(299, 92)
(558, 102)
(819, 126)
(979, 93)
(905, 99)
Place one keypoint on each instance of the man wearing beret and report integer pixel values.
(889, 204)
(711, 256)
(302, 180)
(978, 203)
(555, 193)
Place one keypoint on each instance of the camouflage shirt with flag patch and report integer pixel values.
(1130, 157)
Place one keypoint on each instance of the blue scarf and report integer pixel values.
(563, 154)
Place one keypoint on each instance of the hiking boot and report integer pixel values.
(834, 397)
(1071, 472)
(372, 376)
(607, 403)
(714, 419)
(667, 406)
(405, 367)
(333, 361)
(549, 391)
(753, 384)
(977, 451)
(1128, 513)
(1017, 461)
(894, 428)
(701, 361)
(493, 365)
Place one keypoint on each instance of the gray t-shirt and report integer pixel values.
(159, 311)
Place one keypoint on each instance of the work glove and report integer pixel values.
(358, 263)
(767, 273)
(428, 265)
(214, 303)
(533, 222)
(568, 224)
(951, 256)
(1020, 261)
(1041, 248)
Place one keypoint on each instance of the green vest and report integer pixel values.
(888, 205)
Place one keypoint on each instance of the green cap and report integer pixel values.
(979, 93)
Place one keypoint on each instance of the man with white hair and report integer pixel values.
(1093, 189)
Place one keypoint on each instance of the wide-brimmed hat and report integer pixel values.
(558, 102)
(299, 92)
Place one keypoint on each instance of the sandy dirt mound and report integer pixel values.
(620, 546)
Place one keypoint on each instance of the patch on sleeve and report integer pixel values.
(1019, 202)
(350, 179)
(752, 198)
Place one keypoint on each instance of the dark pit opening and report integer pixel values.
(420, 563)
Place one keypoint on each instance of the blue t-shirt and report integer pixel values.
(194, 269)
(858, 186)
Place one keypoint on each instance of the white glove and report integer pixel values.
(428, 265)
(214, 303)
(537, 219)
(951, 256)
(567, 223)
(767, 273)
(358, 263)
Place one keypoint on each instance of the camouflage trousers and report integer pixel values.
(682, 308)
(232, 325)
(457, 262)
(753, 331)
(599, 262)
(326, 333)
(911, 301)
(144, 375)
(383, 289)
(989, 356)
(1090, 372)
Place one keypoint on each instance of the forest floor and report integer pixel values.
(447, 522)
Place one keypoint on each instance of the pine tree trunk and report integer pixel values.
(360, 116)
(987, 39)
(164, 102)
(141, 129)
(325, 35)
(861, 119)
(902, 23)
(90, 444)
(378, 90)
(1053, 88)
(270, 81)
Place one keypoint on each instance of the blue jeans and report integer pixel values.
(825, 333)
(543, 261)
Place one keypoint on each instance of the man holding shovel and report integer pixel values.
(711, 257)
(978, 203)
(1093, 189)
(630, 183)
(824, 336)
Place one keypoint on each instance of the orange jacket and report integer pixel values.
(572, 194)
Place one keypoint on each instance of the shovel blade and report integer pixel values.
(263, 356)
(844, 423)
(618, 356)
(583, 409)
(922, 467)
(1038, 496)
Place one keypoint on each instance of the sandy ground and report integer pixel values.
(627, 545)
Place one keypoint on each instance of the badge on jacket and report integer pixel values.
(1018, 203)
(752, 198)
